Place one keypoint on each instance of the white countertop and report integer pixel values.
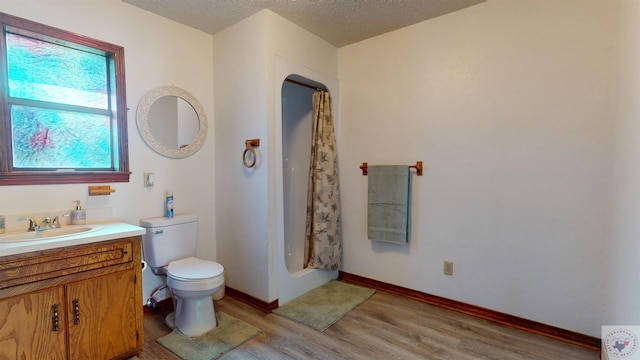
(108, 231)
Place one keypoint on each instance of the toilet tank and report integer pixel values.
(169, 239)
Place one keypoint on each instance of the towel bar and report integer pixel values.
(417, 166)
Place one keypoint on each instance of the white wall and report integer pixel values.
(508, 105)
(244, 70)
(157, 52)
(241, 114)
(621, 287)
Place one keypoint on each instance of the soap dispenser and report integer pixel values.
(79, 215)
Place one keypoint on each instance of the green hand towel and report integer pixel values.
(389, 203)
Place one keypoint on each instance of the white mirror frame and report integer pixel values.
(142, 121)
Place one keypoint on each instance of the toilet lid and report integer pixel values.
(194, 268)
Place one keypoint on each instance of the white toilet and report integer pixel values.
(169, 247)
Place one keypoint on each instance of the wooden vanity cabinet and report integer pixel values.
(80, 302)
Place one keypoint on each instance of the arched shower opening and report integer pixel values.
(296, 150)
(294, 90)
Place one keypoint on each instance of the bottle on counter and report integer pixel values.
(79, 215)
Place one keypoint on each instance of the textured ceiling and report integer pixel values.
(339, 22)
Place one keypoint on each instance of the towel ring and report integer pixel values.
(250, 144)
(244, 157)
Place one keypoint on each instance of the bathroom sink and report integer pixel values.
(49, 234)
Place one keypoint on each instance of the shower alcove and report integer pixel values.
(295, 86)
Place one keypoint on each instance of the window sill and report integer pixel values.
(64, 177)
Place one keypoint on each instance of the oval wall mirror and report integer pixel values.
(171, 121)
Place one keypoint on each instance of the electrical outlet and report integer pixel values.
(448, 268)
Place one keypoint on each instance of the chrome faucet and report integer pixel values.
(46, 224)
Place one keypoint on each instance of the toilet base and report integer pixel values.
(193, 317)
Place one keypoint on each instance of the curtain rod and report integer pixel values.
(303, 84)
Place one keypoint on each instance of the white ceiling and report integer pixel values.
(339, 22)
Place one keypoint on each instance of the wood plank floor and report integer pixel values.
(384, 327)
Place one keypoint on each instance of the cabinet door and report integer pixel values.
(32, 326)
(102, 315)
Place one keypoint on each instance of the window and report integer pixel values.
(63, 107)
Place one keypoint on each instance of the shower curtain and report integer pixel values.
(323, 245)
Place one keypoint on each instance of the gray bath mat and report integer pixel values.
(323, 306)
(229, 334)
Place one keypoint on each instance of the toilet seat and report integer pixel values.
(193, 274)
(192, 268)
